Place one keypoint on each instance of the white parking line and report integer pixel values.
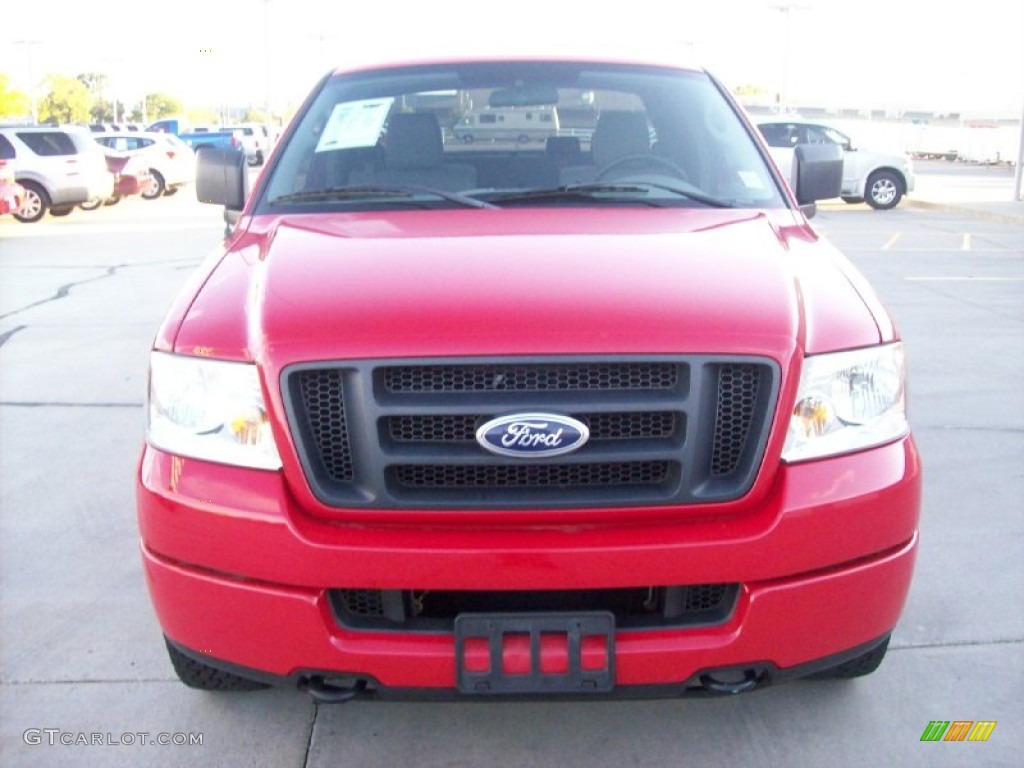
(965, 278)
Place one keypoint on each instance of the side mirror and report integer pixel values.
(819, 172)
(221, 177)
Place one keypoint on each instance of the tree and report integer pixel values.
(13, 103)
(749, 90)
(67, 102)
(95, 82)
(202, 116)
(161, 105)
(100, 110)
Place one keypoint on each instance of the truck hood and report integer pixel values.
(518, 282)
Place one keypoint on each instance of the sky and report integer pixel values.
(896, 54)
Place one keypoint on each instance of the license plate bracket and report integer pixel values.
(535, 653)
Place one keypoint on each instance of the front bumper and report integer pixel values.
(239, 576)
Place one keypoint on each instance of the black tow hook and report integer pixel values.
(325, 693)
(751, 679)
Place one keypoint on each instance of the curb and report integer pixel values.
(968, 210)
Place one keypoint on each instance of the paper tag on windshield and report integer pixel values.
(355, 124)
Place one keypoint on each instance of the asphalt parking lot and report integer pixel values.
(81, 656)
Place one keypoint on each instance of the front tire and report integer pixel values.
(37, 202)
(156, 186)
(884, 190)
(203, 677)
(91, 205)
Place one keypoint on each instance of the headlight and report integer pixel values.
(848, 401)
(209, 409)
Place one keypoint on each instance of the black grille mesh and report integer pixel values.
(603, 426)
(531, 378)
(433, 429)
(738, 387)
(532, 476)
(363, 602)
(322, 396)
(704, 597)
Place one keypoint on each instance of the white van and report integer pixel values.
(519, 124)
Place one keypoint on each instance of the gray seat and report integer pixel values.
(617, 135)
(414, 154)
(563, 151)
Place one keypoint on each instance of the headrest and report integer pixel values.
(619, 134)
(413, 140)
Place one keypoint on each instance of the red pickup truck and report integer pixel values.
(599, 415)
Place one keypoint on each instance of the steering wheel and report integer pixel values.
(642, 159)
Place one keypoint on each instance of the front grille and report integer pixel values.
(462, 428)
(435, 611)
(532, 475)
(530, 378)
(398, 435)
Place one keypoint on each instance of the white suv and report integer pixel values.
(881, 179)
(58, 167)
(172, 162)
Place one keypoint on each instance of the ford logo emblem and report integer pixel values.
(532, 435)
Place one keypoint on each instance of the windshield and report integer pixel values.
(529, 134)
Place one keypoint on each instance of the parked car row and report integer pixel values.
(54, 169)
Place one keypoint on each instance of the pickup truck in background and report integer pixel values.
(255, 141)
(197, 138)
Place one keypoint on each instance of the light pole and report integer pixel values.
(266, 48)
(31, 76)
(1019, 173)
(787, 11)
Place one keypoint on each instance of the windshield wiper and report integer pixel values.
(691, 193)
(377, 190)
(609, 191)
